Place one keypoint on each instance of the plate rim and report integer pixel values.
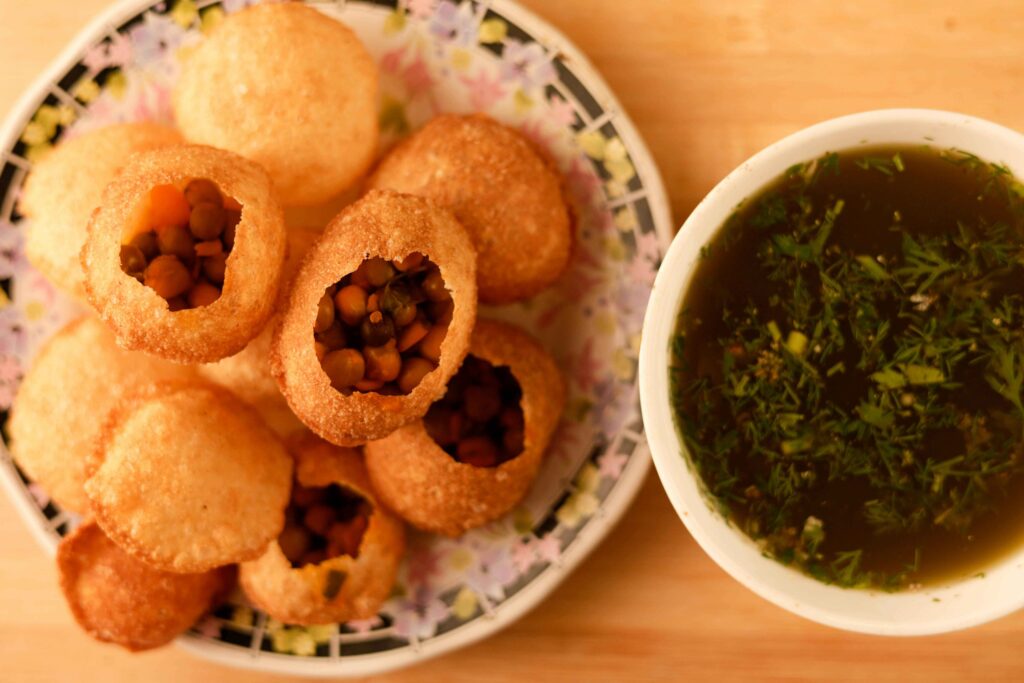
(616, 503)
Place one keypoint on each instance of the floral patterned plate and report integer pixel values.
(435, 55)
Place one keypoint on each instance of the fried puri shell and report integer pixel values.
(296, 595)
(391, 226)
(507, 195)
(290, 88)
(62, 190)
(77, 377)
(247, 373)
(432, 491)
(186, 477)
(141, 318)
(118, 599)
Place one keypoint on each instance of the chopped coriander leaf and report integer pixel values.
(853, 395)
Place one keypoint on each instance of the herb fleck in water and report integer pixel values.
(848, 369)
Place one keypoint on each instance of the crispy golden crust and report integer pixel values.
(434, 492)
(296, 595)
(62, 190)
(500, 188)
(390, 226)
(138, 315)
(77, 377)
(247, 373)
(186, 477)
(291, 89)
(118, 599)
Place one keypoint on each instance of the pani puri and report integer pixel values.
(117, 599)
(378, 318)
(475, 454)
(77, 377)
(290, 88)
(507, 195)
(247, 373)
(186, 477)
(62, 190)
(184, 255)
(338, 555)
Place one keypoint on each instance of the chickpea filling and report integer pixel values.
(181, 248)
(380, 328)
(480, 420)
(322, 523)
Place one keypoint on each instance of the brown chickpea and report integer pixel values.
(511, 417)
(320, 350)
(430, 346)
(206, 221)
(410, 262)
(377, 329)
(369, 384)
(177, 303)
(214, 267)
(376, 271)
(209, 248)
(167, 276)
(175, 240)
(333, 337)
(351, 303)
(314, 557)
(319, 518)
(358, 278)
(344, 367)
(305, 496)
(132, 259)
(383, 363)
(413, 372)
(202, 294)
(442, 311)
(512, 442)
(444, 425)
(478, 451)
(294, 542)
(433, 286)
(344, 538)
(146, 243)
(404, 315)
(324, 314)
(338, 547)
(201, 190)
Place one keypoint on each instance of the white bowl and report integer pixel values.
(935, 609)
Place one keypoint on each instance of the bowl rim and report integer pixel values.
(669, 453)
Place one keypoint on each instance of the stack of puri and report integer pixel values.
(175, 481)
(454, 413)
(274, 402)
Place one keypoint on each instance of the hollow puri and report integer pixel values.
(174, 309)
(470, 461)
(390, 227)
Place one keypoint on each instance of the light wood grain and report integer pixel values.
(708, 84)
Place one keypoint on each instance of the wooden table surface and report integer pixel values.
(708, 83)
